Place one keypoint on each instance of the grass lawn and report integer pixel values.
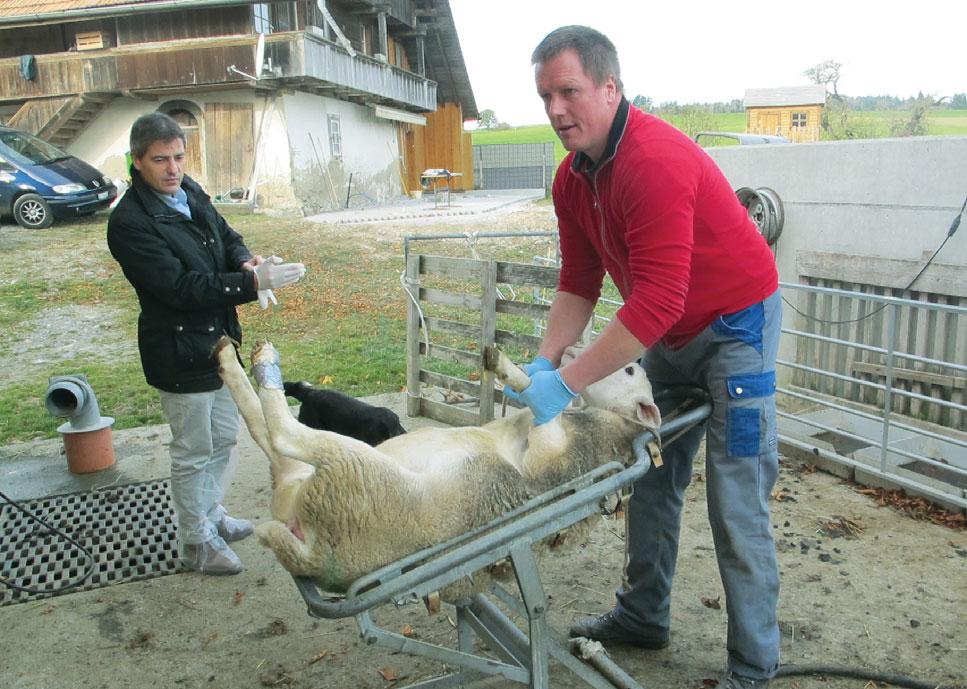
(868, 124)
(342, 326)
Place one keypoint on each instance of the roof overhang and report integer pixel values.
(112, 10)
(386, 113)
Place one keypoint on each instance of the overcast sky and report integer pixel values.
(699, 51)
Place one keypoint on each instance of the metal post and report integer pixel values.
(413, 331)
(420, 56)
(529, 582)
(888, 384)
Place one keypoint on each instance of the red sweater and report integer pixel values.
(661, 218)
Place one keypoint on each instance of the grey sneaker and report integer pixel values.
(609, 631)
(232, 529)
(734, 681)
(212, 557)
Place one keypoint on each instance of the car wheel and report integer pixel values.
(32, 212)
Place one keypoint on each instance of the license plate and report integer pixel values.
(102, 196)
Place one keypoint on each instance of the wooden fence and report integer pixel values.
(458, 307)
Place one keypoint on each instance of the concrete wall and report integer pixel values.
(869, 212)
(882, 202)
(369, 152)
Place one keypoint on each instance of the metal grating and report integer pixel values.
(128, 530)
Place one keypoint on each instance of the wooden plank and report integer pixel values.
(446, 413)
(526, 274)
(508, 339)
(447, 326)
(459, 268)
(456, 356)
(441, 380)
(413, 335)
(520, 308)
(909, 374)
(488, 327)
(437, 296)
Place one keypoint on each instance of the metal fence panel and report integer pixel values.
(514, 166)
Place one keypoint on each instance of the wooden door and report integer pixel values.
(193, 157)
(229, 146)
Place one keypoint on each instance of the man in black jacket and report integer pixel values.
(190, 270)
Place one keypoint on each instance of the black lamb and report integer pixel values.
(328, 410)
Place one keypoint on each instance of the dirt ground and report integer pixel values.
(862, 586)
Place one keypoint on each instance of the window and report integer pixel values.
(263, 20)
(335, 137)
(799, 119)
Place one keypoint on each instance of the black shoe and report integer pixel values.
(607, 630)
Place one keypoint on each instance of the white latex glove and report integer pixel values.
(266, 296)
(273, 273)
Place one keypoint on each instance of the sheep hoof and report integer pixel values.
(491, 357)
(223, 343)
(265, 366)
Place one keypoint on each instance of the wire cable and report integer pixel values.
(51, 529)
(860, 673)
(950, 233)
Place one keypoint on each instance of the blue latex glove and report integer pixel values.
(547, 395)
(538, 364)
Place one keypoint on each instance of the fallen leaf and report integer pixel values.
(407, 630)
(238, 597)
(211, 637)
(47, 610)
(388, 674)
(318, 656)
(712, 602)
(326, 380)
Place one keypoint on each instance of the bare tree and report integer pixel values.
(835, 121)
(826, 73)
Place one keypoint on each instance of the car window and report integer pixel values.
(34, 151)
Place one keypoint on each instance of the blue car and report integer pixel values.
(39, 182)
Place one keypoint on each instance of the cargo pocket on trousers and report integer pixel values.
(745, 413)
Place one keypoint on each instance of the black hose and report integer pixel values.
(70, 584)
(861, 673)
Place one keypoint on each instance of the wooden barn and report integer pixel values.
(298, 104)
(794, 112)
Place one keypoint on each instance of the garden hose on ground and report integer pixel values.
(765, 208)
(59, 589)
(861, 673)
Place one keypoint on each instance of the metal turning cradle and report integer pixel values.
(518, 656)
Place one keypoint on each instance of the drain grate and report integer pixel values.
(844, 445)
(127, 529)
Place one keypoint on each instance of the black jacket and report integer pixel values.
(188, 279)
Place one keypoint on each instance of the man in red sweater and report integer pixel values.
(640, 200)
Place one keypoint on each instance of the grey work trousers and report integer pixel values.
(734, 361)
(204, 429)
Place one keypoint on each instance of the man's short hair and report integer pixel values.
(155, 126)
(595, 50)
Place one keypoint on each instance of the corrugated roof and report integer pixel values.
(14, 8)
(786, 95)
(46, 11)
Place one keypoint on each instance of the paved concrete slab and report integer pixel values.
(427, 208)
(39, 469)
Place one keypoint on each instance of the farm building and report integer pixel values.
(292, 104)
(793, 111)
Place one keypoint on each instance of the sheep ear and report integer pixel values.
(649, 416)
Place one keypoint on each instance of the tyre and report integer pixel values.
(32, 212)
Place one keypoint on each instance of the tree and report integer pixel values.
(826, 73)
(642, 103)
(488, 119)
(835, 120)
(915, 123)
(959, 101)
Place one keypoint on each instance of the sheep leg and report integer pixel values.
(244, 395)
(507, 372)
(291, 553)
(287, 435)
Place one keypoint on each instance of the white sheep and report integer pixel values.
(342, 508)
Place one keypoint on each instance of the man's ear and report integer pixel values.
(137, 163)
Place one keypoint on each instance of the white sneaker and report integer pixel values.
(212, 557)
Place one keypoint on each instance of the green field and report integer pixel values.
(866, 124)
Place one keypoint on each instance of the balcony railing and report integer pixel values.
(299, 59)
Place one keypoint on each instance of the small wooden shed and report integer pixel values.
(792, 111)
